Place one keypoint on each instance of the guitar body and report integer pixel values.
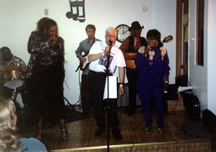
(10, 72)
(130, 63)
(83, 65)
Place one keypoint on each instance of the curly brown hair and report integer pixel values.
(44, 25)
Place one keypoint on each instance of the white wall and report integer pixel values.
(202, 78)
(18, 19)
(210, 55)
(197, 73)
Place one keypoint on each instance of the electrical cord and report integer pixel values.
(174, 108)
(177, 144)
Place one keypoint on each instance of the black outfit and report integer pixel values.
(84, 47)
(96, 83)
(45, 75)
(97, 77)
(132, 74)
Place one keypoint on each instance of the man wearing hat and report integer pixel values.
(129, 48)
(11, 69)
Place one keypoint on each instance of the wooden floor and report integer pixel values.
(135, 138)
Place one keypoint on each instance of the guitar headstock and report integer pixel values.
(167, 39)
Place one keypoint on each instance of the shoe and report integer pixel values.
(148, 127)
(99, 132)
(117, 136)
(160, 129)
(65, 134)
(39, 135)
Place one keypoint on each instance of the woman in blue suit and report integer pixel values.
(152, 62)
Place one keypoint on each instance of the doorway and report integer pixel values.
(182, 38)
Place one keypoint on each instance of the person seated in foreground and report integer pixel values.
(9, 136)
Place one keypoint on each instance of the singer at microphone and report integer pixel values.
(51, 41)
(110, 43)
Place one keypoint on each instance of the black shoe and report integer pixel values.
(131, 112)
(99, 132)
(148, 127)
(160, 129)
(117, 136)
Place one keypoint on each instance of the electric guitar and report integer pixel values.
(131, 64)
(83, 65)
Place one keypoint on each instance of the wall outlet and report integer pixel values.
(46, 11)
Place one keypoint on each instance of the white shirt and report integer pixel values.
(99, 65)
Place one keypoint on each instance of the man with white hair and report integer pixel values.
(98, 57)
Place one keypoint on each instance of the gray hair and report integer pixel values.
(110, 29)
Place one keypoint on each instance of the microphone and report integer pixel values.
(110, 43)
(51, 41)
(146, 52)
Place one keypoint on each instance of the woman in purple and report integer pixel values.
(152, 62)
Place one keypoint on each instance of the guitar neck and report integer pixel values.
(10, 68)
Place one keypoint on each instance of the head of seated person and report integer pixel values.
(8, 130)
(5, 52)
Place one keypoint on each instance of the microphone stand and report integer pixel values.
(107, 105)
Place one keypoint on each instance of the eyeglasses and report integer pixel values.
(110, 35)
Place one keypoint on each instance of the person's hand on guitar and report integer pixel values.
(83, 59)
(132, 57)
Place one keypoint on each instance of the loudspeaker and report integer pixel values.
(209, 121)
(181, 80)
(192, 105)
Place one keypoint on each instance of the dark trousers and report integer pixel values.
(158, 103)
(96, 85)
(85, 96)
(132, 80)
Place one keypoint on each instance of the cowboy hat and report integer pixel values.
(135, 26)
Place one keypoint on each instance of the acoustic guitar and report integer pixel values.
(131, 64)
(10, 72)
(10, 68)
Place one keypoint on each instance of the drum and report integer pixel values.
(12, 79)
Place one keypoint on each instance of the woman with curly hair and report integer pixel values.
(9, 137)
(45, 74)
